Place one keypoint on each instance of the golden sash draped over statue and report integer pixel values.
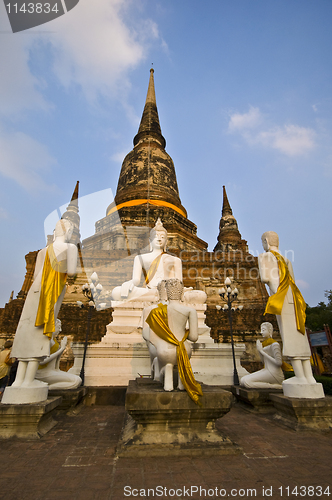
(152, 269)
(158, 322)
(276, 301)
(53, 281)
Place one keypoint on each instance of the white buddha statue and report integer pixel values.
(271, 376)
(172, 340)
(37, 322)
(49, 369)
(155, 265)
(289, 306)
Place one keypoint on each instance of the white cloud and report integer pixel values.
(94, 48)
(18, 87)
(24, 160)
(290, 140)
(240, 122)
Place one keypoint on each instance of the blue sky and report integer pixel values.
(244, 98)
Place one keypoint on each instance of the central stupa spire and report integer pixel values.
(147, 189)
(150, 127)
(147, 178)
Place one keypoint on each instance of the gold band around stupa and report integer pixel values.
(158, 203)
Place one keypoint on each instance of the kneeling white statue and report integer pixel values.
(49, 369)
(171, 339)
(271, 376)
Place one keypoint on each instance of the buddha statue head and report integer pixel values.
(266, 330)
(158, 236)
(270, 239)
(64, 228)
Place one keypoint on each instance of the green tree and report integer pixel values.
(321, 314)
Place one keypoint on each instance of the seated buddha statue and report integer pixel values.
(156, 265)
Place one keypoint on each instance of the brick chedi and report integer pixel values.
(229, 237)
(147, 189)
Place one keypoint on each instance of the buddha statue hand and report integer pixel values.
(126, 288)
(259, 345)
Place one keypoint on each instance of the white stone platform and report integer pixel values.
(122, 354)
(119, 358)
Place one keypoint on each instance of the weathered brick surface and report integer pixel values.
(77, 460)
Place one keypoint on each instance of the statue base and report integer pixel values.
(27, 421)
(305, 391)
(70, 397)
(256, 400)
(212, 363)
(302, 414)
(170, 424)
(25, 395)
(114, 361)
(127, 315)
(119, 358)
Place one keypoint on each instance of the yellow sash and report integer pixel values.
(276, 301)
(286, 367)
(158, 321)
(153, 269)
(53, 281)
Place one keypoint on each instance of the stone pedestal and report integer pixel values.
(257, 400)
(126, 316)
(70, 397)
(305, 391)
(301, 414)
(28, 421)
(24, 395)
(170, 424)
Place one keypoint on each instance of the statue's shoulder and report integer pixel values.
(267, 257)
(170, 256)
(182, 308)
(72, 246)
